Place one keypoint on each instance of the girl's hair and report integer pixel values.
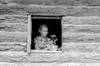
(41, 26)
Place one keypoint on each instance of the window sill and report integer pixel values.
(45, 52)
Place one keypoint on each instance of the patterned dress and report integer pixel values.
(42, 43)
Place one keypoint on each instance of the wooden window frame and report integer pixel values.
(30, 31)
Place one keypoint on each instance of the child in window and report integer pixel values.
(42, 42)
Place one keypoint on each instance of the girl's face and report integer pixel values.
(44, 31)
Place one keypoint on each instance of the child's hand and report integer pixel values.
(55, 41)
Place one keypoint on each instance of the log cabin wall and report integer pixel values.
(80, 28)
(13, 32)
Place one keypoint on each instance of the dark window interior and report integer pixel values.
(54, 27)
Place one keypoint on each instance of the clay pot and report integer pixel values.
(54, 48)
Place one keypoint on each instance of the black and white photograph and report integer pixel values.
(49, 32)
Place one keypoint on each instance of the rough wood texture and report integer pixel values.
(49, 10)
(13, 32)
(80, 27)
(87, 20)
(73, 57)
(78, 46)
(81, 38)
(55, 2)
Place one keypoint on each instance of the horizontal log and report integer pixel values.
(13, 37)
(80, 38)
(55, 2)
(65, 57)
(92, 20)
(15, 47)
(81, 47)
(14, 27)
(81, 28)
(49, 10)
(21, 19)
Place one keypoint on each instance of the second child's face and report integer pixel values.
(44, 31)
